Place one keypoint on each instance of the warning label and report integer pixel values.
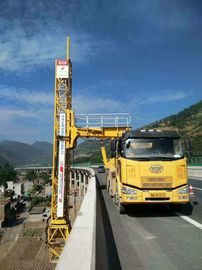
(62, 69)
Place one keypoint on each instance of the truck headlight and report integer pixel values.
(127, 190)
(184, 190)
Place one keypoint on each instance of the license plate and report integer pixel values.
(157, 195)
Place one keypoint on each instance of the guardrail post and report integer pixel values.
(75, 181)
(84, 184)
(70, 182)
(79, 183)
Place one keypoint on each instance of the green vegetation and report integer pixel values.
(89, 151)
(36, 188)
(45, 177)
(9, 193)
(31, 176)
(23, 154)
(188, 123)
(40, 201)
(93, 157)
(7, 173)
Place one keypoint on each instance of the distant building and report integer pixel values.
(9, 185)
(2, 190)
(28, 186)
(48, 191)
(7, 213)
(18, 188)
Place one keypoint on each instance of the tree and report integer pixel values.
(31, 175)
(45, 177)
(7, 173)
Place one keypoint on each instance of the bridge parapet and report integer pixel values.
(79, 250)
(79, 179)
(195, 172)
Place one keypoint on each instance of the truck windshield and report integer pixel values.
(153, 148)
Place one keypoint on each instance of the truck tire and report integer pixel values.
(185, 209)
(122, 209)
(176, 207)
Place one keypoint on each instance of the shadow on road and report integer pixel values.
(158, 210)
(106, 252)
(16, 222)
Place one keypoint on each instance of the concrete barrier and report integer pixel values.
(79, 251)
(195, 172)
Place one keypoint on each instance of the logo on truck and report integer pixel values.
(156, 168)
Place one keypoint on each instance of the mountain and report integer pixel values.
(89, 150)
(23, 154)
(187, 122)
(3, 159)
(44, 147)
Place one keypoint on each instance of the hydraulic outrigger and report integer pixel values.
(66, 133)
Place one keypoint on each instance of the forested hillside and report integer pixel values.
(23, 154)
(187, 122)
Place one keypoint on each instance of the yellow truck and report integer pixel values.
(147, 167)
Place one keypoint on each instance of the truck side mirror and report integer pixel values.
(188, 148)
(128, 144)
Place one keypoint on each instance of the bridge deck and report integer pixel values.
(148, 237)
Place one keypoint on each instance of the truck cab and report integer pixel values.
(148, 167)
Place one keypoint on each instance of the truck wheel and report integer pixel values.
(185, 209)
(122, 209)
(176, 207)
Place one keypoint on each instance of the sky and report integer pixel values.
(134, 56)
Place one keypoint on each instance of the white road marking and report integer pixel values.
(197, 188)
(150, 237)
(190, 220)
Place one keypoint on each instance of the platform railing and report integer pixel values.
(103, 120)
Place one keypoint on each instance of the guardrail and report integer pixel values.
(195, 172)
(79, 250)
(195, 160)
(79, 179)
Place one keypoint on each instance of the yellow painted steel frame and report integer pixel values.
(58, 230)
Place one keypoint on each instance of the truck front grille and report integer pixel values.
(156, 179)
(156, 182)
(157, 185)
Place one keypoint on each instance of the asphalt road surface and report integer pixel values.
(148, 237)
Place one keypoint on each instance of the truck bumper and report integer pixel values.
(155, 197)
